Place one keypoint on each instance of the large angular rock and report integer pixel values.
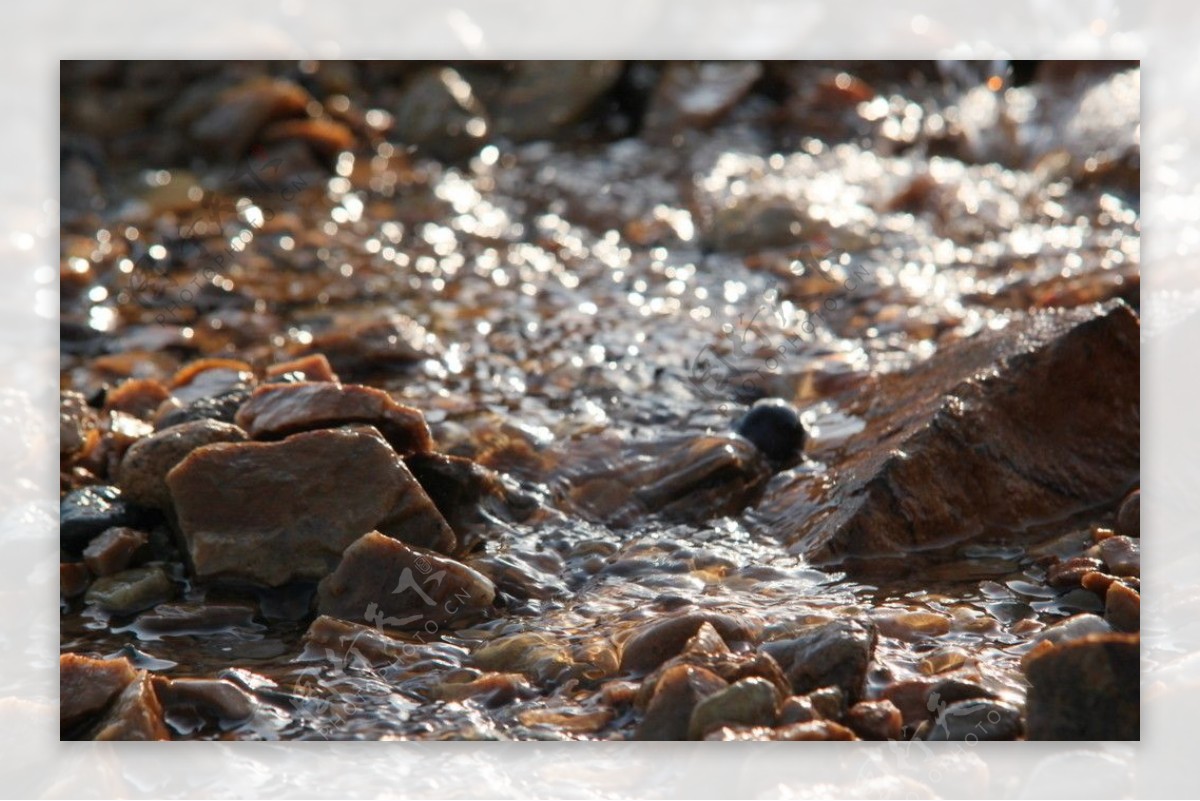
(273, 512)
(1036, 421)
(87, 686)
(386, 583)
(277, 410)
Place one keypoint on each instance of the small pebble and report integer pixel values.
(774, 427)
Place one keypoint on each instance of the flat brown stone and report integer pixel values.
(1034, 422)
(273, 512)
(383, 582)
(277, 410)
(113, 551)
(87, 686)
(314, 367)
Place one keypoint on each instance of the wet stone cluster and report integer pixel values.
(599, 400)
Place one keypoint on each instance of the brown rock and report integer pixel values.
(138, 397)
(678, 692)
(749, 702)
(193, 618)
(87, 686)
(193, 702)
(836, 653)
(696, 94)
(387, 583)
(114, 550)
(990, 434)
(131, 590)
(1086, 689)
(656, 642)
(76, 420)
(1071, 572)
(490, 689)
(1123, 608)
(210, 378)
(1129, 518)
(231, 124)
(326, 137)
(875, 720)
(1122, 555)
(972, 721)
(358, 347)
(136, 714)
(466, 494)
(277, 410)
(814, 730)
(73, 579)
(143, 473)
(306, 368)
(284, 511)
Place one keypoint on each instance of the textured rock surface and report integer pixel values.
(87, 686)
(836, 653)
(1085, 689)
(114, 550)
(386, 583)
(281, 511)
(989, 435)
(135, 715)
(680, 689)
(277, 410)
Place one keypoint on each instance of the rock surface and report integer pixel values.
(131, 591)
(277, 410)
(990, 434)
(676, 696)
(136, 714)
(749, 702)
(836, 653)
(1085, 689)
(90, 511)
(386, 583)
(113, 550)
(656, 642)
(143, 474)
(284, 511)
(87, 686)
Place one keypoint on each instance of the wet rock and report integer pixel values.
(222, 407)
(114, 550)
(131, 590)
(326, 137)
(491, 689)
(361, 347)
(1122, 556)
(911, 626)
(796, 709)
(972, 721)
(468, 495)
(90, 511)
(306, 368)
(1123, 608)
(657, 642)
(342, 638)
(278, 410)
(1129, 517)
(136, 714)
(143, 473)
(749, 702)
(415, 520)
(76, 420)
(1070, 573)
(189, 704)
(539, 657)
(1073, 628)
(773, 426)
(676, 696)
(829, 703)
(440, 113)
(993, 432)
(284, 511)
(688, 479)
(836, 653)
(1085, 689)
(238, 113)
(385, 582)
(814, 730)
(87, 686)
(523, 575)
(539, 98)
(73, 579)
(694, 95)
(192, 618)
(1098, 583)
(875, 720)
(138, 397)
(210, 378)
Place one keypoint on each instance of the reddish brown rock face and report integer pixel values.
(1034, 422)
(277, 410)
(143, 474)
(1085, 689)
(386, 583)
(281, 511)
(87, 686)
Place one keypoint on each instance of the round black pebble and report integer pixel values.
(773, 426)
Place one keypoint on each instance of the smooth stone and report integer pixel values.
(836, 653)
(538, 657)
(90, 511)
(749, 702)
(277, 410)
(1122, 555)
(218, 700)
(143, 474)
(1073, 628)
(773, 426)
(1085, 689)
(875, 720)
(973, 720)
(1123, 608)
(131, 590)
(385, 582)
(222, 408)
(814, 730)
(274, 512)
(656, 642)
